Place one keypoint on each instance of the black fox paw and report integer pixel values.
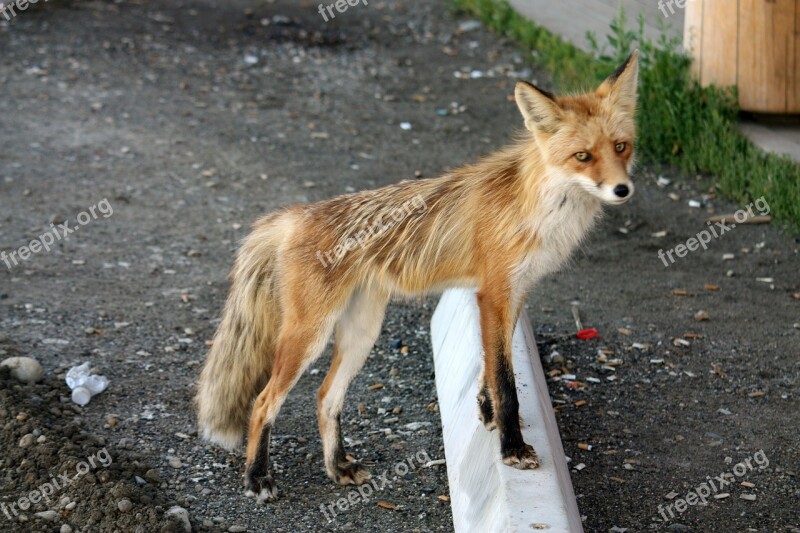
(262, 488)
(351, 473)
(524, 458)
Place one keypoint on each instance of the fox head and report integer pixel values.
(588, 139)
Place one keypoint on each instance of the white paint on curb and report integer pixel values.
(486, 495)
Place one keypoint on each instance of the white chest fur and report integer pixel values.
(563, 221)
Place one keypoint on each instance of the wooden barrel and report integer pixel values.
(753, 44)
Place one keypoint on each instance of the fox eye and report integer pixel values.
(620, 147)
(583, 157)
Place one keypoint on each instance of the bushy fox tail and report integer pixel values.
(240, 360)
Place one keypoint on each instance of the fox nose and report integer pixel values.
(622, 191)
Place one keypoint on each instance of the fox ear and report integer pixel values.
(620, 87)
(538, 107)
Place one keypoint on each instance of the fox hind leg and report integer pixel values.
(355, 334)
(300, 342)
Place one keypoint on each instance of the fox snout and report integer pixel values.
(622, 191)
(616, 193)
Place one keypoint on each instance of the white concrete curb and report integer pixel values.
(487, 496)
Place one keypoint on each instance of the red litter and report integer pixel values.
(583, 333)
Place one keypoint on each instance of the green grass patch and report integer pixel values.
(680, 123)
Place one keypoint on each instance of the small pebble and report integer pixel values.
(182, 515)
(124, 505)
(175, 462)
(24, 369)
(26, 440)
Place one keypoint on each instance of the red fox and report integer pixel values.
(498, 225)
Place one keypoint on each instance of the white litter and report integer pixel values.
(469, 25)
(84, 384)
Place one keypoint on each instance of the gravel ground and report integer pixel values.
(191, 119)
